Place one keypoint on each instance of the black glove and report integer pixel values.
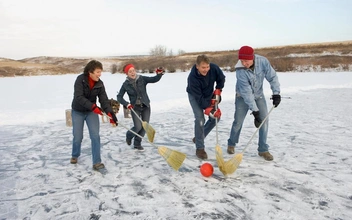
(276, 100)
(257, 120)
(113, 118)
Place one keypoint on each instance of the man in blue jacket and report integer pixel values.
(202, 97)
(251, 69)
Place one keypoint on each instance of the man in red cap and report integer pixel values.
(251, 69)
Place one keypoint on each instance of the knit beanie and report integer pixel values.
(246, 53)
(127, 67)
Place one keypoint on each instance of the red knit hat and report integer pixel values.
(127, 67)
(246, 53)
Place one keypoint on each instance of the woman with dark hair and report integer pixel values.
(135, 86)
(87, 88)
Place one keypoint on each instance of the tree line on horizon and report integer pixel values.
(298, 58)
(283, 59)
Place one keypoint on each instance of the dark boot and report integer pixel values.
(230, 150)
(128, 141)
(201, 154)
(73, 160)
(138, 147)
(98, 166)
(266, 155)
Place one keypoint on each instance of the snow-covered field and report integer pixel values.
(310, 138)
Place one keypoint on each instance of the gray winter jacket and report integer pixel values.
(137, 90)
(249, 83)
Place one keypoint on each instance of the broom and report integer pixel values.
(232, 165)
(147, 127)
(218, 152)
(172, 157)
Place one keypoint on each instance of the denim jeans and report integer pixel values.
(241, 110)
(201, 130)
(144, 113)
(92, 121)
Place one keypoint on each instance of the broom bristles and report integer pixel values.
(149, 130)
(220, 160)
(172, 157)
(232, 165)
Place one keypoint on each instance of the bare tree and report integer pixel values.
(180, 52)
(158, 51)
(170, 53)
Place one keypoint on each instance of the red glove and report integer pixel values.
(97, 110)
(212, 102)
(113, 119)
(130, 106)
(212, 112)
(216, 97)
(160, 70)
(217, 92)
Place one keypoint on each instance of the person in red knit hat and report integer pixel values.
(135, 87)
(251, 70)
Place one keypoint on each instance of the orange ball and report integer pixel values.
(206, 169)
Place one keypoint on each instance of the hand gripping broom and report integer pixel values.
(232, 165)
(172, 157)
(147, 127)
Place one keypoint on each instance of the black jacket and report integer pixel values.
(84, 98)
(202, 87)
(141, 84)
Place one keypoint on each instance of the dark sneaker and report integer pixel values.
(230, 150)
(201, 154)
(266, 155)
(194, 140)
(98, 166)
(128, 141)
(139, 148)
(73, 160)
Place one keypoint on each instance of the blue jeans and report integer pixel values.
(92, 121)
(201, 130)
(144, 113)
(240, 114)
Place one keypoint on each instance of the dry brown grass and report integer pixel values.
(283, 58)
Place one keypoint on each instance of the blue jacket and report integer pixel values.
(202, 87)
(249, 83)
(141, 86)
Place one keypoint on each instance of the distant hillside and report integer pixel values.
(330, 56)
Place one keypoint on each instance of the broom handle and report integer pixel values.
(216, 126)
(272, 108)
(146, 139)
(137, 115)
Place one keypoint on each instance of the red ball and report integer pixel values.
(206, 169)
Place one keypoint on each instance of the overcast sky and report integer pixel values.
(30, 28)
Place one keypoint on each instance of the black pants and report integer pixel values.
(143, 112)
